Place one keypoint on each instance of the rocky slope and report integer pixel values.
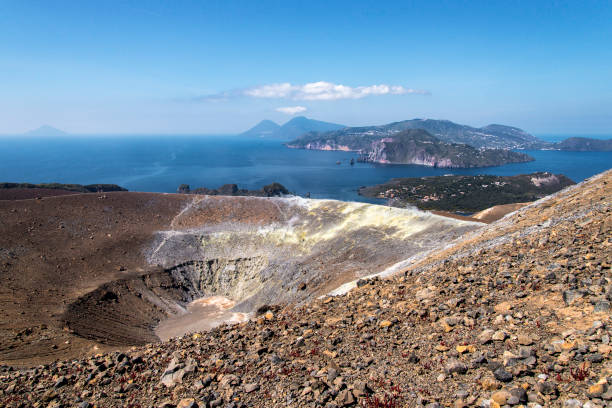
(413, 146)
(517, 313)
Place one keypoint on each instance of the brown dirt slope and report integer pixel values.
(497, 212)
(55, 249)
(29, 193)
(517, 314)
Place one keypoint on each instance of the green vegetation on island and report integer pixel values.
(467, 193)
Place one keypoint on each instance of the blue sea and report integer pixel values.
(162, 163)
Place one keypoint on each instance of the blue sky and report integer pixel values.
(221, 66)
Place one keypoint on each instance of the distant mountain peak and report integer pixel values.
(268, 122)
(265, 128)
(298, 119)
(291, 129)
(45, 130)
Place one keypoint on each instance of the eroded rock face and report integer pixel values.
(125, 311)
(298, 244)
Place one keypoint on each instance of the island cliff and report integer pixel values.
(412, 146)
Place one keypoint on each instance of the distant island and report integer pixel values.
(467, 193)
(439, 143)
(584, 144)
(489, 137)
(45, 130)
(411, 146)
(270, 190)
(290, 130)
(492, 144)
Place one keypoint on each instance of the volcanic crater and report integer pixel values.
(90, 272)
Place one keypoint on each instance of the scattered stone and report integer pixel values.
(456, 366)
(501, 397)
(345, 398)
(465, 349)
(361, 389)
(60, 382)
(502, 375)
(251, 387)
(546, 388)
(596, 390)
(187, 403)
(602, 306)
(486, 336)
(570, 296)
(499, 335)
(385, 323)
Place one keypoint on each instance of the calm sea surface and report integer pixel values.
(162, 163)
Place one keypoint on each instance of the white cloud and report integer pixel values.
(325, 91)
(291, 110)
(316, 91)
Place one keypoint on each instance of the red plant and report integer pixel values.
(287, 371)
(375, 402)
(580, 374)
